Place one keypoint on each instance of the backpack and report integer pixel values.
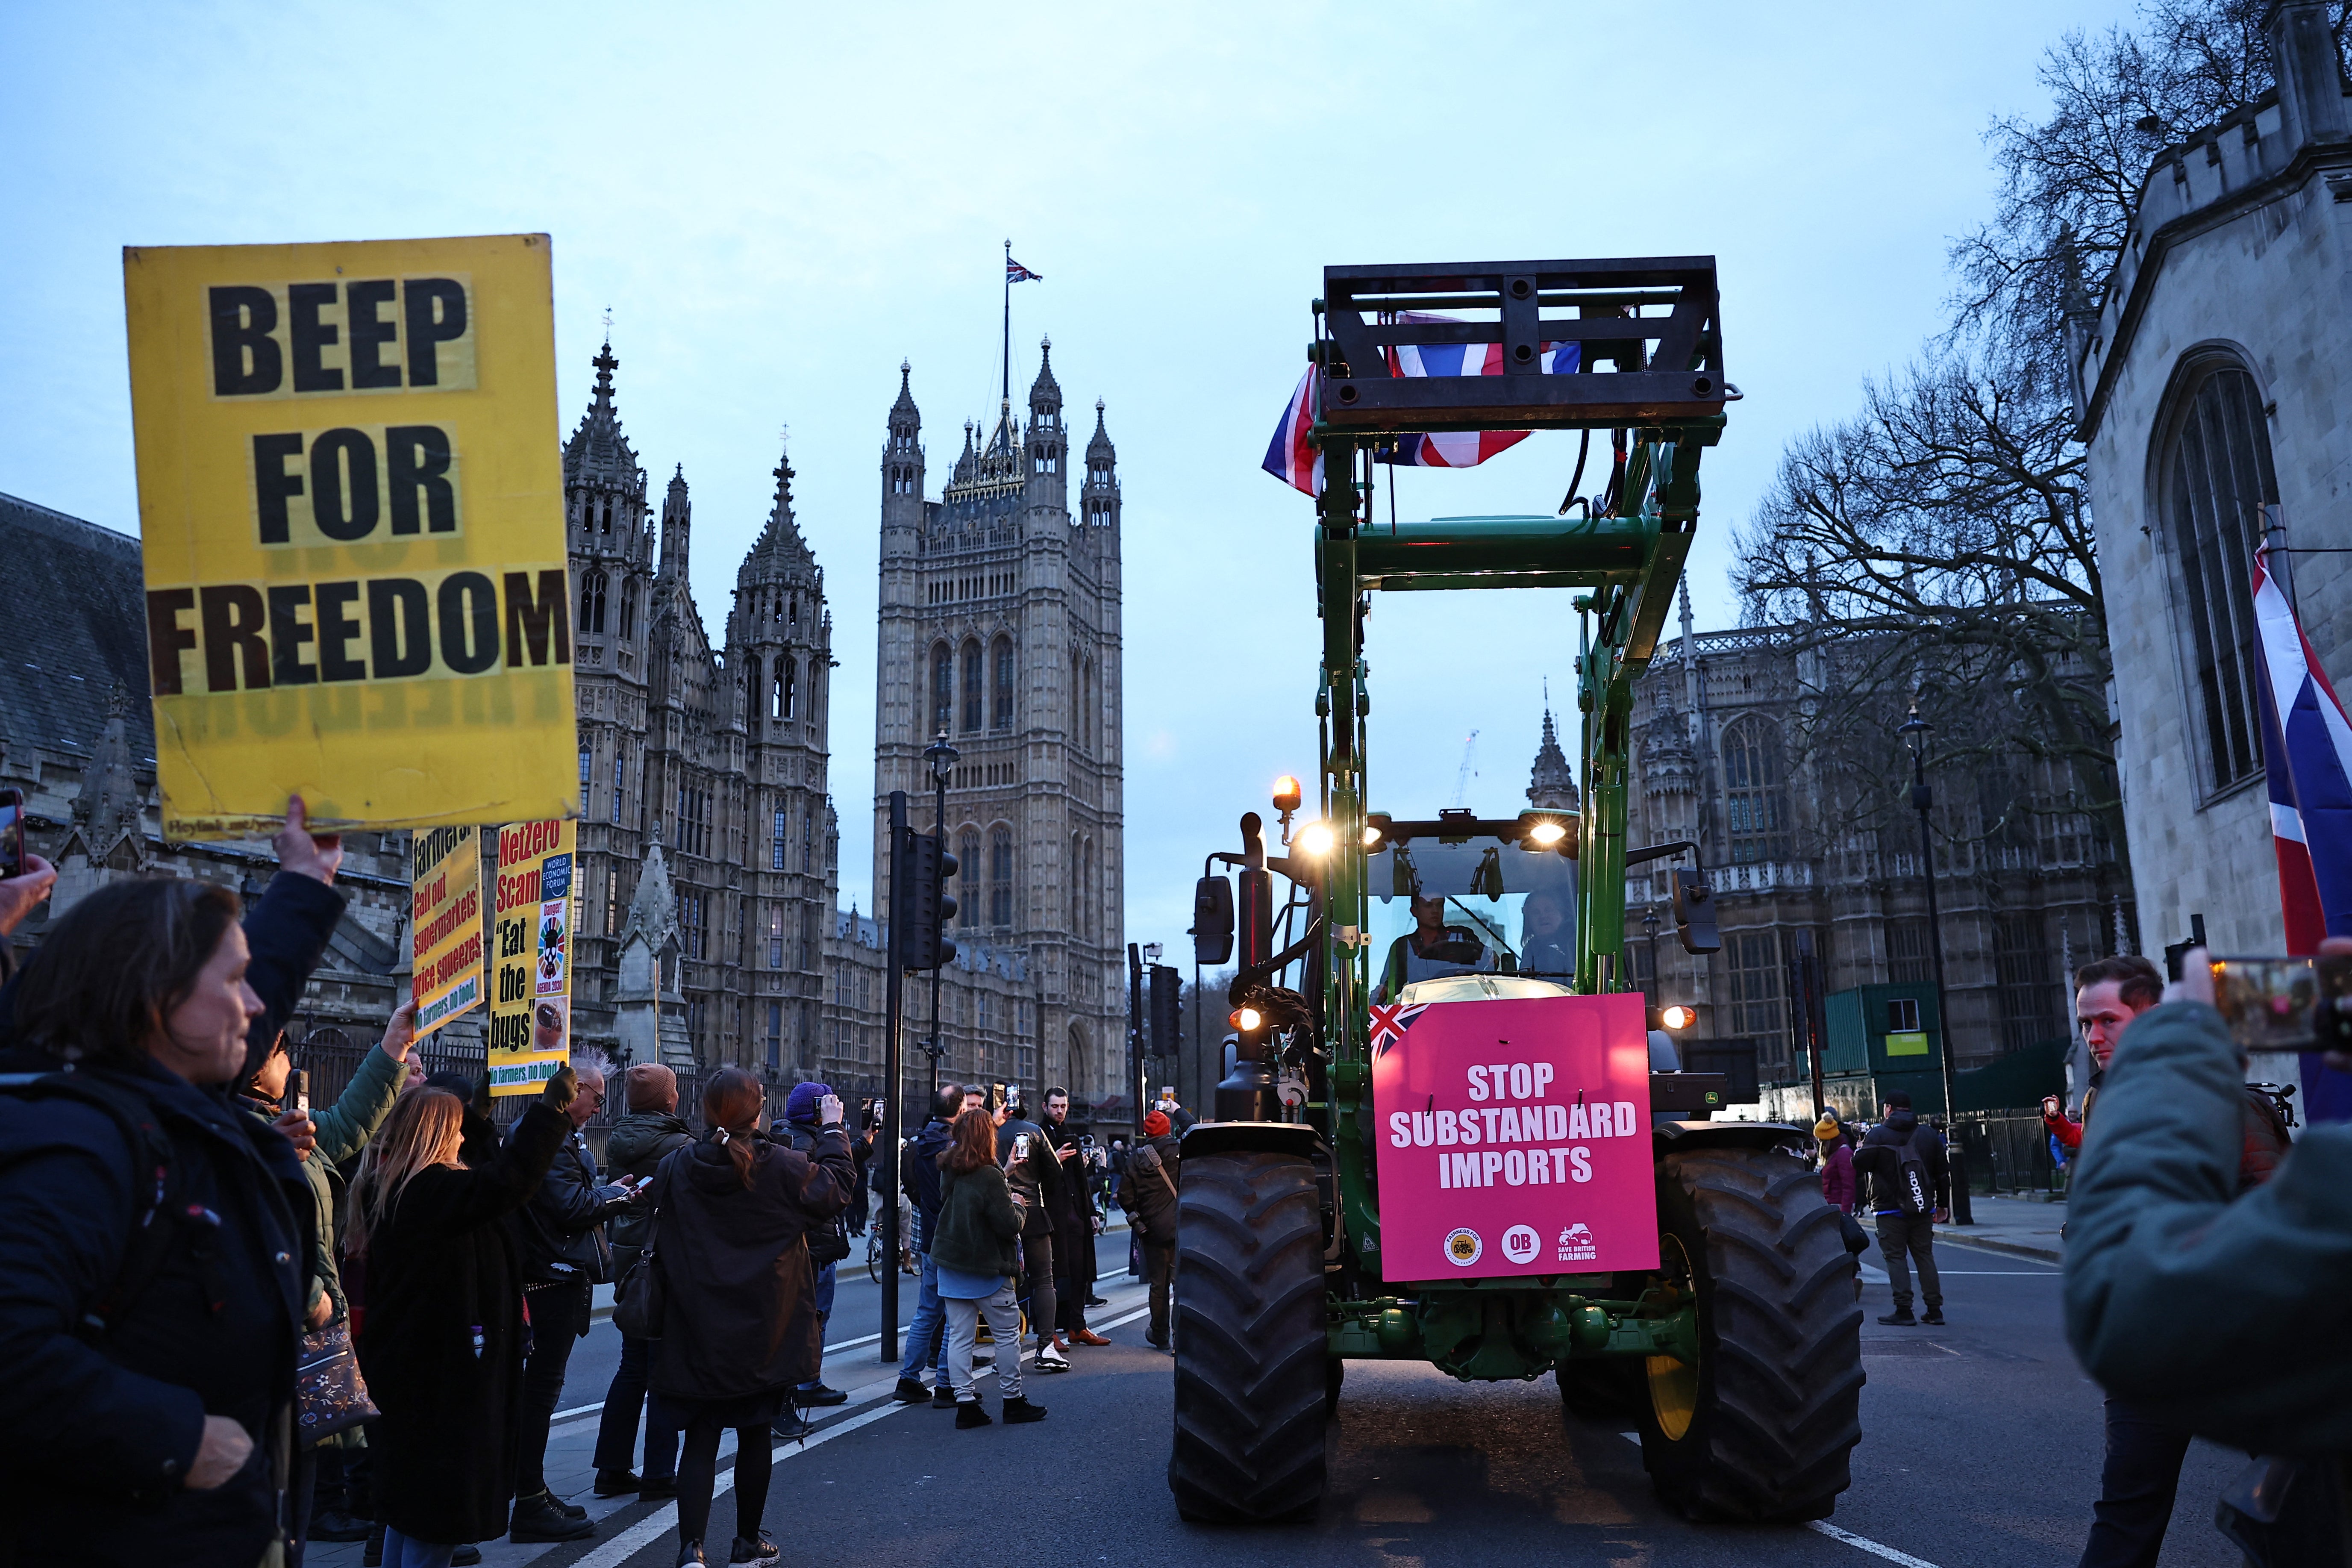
(1915, 1191)
(830, 1244)
(169, 1215)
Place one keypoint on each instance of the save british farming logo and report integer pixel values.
(1576, 1245)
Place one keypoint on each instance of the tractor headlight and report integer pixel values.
(1315, 839)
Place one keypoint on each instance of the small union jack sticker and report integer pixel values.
(1390, 1022)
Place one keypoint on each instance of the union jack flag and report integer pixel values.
(1016, 273)
(1390, 1022)
(1291, 459)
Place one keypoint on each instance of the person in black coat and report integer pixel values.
(732, 1215)
(154, 1245)
(441, 1336)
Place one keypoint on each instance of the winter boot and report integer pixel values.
(1900, 1318)
(1018, 1409)
(969, 1414)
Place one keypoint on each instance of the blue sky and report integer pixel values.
(778, 203)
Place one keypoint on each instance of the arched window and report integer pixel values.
(974, 675)
(587, 772)
(1077, 702)
(786, 697)
(629, 610)
(968, 873)
(942, 689)
(2214, 480)
(751, 692)
(1001, 712)
(592, 602)
(1087, 901)
(1077, 899)
(1000, 876)
(1755, 806)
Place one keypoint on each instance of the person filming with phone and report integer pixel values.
(2203, 1297)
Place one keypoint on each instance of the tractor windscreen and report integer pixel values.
(1482, 905)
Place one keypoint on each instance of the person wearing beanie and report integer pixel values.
(827, 1245)
(1910, 1190)
(1147, 1193)
(1837, 1163)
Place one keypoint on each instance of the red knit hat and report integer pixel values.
(1155, 1124)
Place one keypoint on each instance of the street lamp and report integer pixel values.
(942, 758)
(1650, 929)
(1915, 732)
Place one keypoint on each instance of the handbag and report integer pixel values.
(640, 1300)
(330, 1394)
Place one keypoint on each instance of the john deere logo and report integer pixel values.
(1463, 1247)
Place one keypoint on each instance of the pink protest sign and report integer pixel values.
(1514, 1137)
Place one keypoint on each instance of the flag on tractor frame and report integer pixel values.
(1016, 273)
(1290, 458)
(1389, 1024)
(2307, 760)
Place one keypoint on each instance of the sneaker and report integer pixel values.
(911, 1391)
(791, 1427)
(1051, 1359)
(334, 1525)
(1900, 1318)
(1018, 1410)
(616, 1483)
(657, 1488)
(372, 1557)
(1933, 1315)
(465, 1556)
(1097, 1301)
(690, 1551)
(943, 1397)
(819, 1394)
(762, 1551)
(541, 1518)
(969, 1414)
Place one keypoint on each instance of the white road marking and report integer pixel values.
(1859, 1542)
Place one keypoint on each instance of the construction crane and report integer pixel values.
(1469, 771)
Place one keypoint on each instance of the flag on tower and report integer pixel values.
(2308, 756)
(1290, 458)
(1016, 273)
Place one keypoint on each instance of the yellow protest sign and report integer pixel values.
(530, 1010)
(351, 505)
(446, 896)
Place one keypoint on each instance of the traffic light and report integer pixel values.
(1166, 1017)
(931, 908)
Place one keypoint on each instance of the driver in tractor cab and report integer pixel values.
(1544, 935)
(1432, 949)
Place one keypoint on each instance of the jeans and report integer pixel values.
(824, 1282)
(2136, 1488)
(1037, 1284)
(558, 1316)
(927, 1333)
(400, 1552)
(616, 1434)
(1913, 1234)
(963, 1335)
(1158, 1268)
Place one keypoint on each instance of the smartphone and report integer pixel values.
(12, 833)
(1020, 1147)
(298, 1090)
(2286, 1003)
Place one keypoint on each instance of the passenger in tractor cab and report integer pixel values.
(1432, 949)
(1544, 935)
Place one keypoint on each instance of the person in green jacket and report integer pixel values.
(976, 1248)
(325, 1139)
(2227, 1314)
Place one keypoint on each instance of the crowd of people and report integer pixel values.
(221, 1307)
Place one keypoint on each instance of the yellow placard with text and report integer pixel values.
(531, 945)
(445, 914)
(351, 506)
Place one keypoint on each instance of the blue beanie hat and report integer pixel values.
(801, 1105)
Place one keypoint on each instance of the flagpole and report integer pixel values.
(1008, 324)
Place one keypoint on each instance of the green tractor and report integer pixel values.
(1739, 1353)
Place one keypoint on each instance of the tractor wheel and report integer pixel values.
(1761, 1428)
(1252, 1352)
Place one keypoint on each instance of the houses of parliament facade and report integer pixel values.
(710, 929)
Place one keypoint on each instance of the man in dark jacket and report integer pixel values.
(1074, 1222)
(560, 1245)
(1147, 1193)
(2156, 1219)
(827, 1245)
(1037, 1181)
(919, 1177)
(1910, 1192)
(644, 1137)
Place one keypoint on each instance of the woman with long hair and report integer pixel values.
(976, 1248)
(441, 1337)
(731, 1214)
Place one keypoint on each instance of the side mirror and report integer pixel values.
(1212, 920)
(1695, 914)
